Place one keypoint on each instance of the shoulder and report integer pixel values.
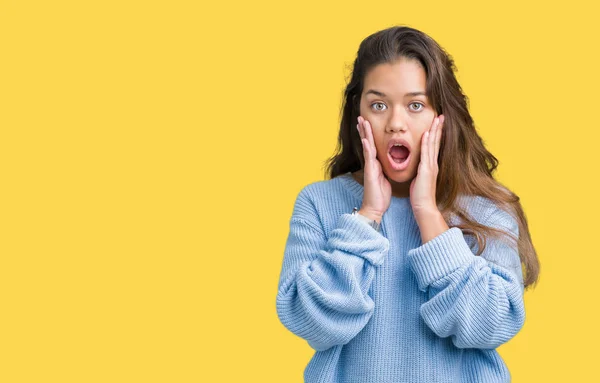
(321, 203)
(487, 212)
(321, 190)
(316, 196)
(476, 206)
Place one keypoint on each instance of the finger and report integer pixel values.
(362, 144)
(369, 156)
(438, 138)
(362, 131)
(369, 135)
(431, 142)
(424, 155)
(366, 154)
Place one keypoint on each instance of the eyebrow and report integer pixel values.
(380, 94)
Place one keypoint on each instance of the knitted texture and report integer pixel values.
(382, 307)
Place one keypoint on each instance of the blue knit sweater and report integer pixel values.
(384, 307)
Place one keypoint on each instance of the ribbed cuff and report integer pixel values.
(439, 257)
(356, 237)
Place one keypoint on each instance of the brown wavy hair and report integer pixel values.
(466, 167)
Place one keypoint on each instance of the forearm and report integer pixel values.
(323, 293)
(431, 224)
(476, 299)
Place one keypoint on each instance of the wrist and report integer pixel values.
(427, 214)
(371, 215)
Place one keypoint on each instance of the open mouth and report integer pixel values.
(399, 153)
(399, 157)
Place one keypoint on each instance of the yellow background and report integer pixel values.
(151, 152)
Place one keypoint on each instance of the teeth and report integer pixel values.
(398, 145)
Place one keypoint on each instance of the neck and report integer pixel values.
(399, 189)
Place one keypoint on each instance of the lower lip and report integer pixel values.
(399, 166)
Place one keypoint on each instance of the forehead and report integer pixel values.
(397, 78)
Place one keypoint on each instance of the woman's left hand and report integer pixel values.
(422, 187)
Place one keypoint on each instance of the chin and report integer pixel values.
(399, 177)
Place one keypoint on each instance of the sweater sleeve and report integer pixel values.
(324, 282)
(477, 300)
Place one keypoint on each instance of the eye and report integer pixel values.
(376, 103)
(417, 103)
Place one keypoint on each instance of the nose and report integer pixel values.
(396, 122)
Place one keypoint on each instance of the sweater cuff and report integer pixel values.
(356, 237)
(439, 257)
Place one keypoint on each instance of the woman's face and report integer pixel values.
(394, 112)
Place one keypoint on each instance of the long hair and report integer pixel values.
(466, 167)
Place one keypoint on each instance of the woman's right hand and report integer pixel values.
(377, 189)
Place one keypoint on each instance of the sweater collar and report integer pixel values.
(358, 190)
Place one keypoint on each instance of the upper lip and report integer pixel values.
(395, 141)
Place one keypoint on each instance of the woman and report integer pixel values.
(424, 281)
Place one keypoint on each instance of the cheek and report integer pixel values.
(379, 143)
(378, 138)
(363, 110)
(422, 129)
